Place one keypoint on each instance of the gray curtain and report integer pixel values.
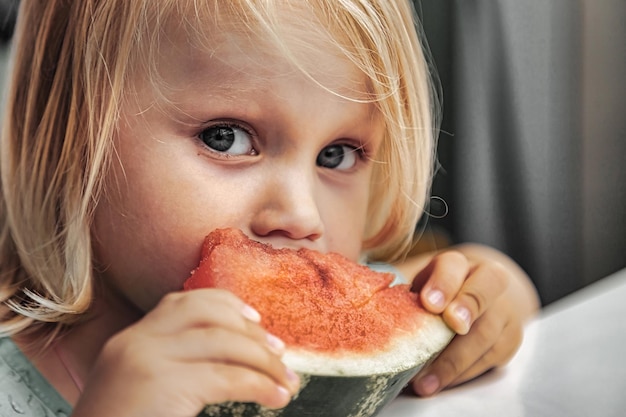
(4, 57)
(533, 144)
(8, 14)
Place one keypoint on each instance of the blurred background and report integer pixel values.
(8, 12)
(533, 144)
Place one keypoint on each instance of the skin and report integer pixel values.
(485, 297)
(149, 349)
(172, 183)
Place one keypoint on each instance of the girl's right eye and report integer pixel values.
(228, 140)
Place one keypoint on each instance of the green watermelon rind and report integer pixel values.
(355, 395)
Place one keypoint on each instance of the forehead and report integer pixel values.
(228, 47)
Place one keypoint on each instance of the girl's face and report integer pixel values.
(242, 139)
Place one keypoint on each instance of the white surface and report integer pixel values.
(572, 363)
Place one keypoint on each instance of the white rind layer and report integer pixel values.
(405, 352)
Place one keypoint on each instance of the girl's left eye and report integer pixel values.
(229, 140)
(340, 157)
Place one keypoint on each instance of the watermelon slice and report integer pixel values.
(354, 340)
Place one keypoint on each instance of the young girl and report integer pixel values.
(134, 128)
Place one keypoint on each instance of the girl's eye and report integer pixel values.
(227, 139)
(341, 157)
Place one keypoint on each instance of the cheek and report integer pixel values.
(345, 221)
(145, 240)
(158, 207)
(138, 253)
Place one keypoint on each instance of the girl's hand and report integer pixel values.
(195, 348)
(485, 298)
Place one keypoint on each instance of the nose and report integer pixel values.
(288, 208)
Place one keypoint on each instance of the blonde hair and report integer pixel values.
(73, 67)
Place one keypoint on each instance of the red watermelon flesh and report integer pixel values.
(323, 306)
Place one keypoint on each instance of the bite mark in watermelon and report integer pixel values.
(337, 318)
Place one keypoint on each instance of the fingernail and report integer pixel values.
(251, 314)
(275, 343)
(428, 385)
(436, 298)
(464, 315)
(293, 378)
(284, 393)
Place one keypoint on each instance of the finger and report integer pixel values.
(225, 346)
(459, 356)
(441, 280)
(199, 308)
(196, 386)
(483, 286)
(499, 355)
(225, 382)
(153, 365)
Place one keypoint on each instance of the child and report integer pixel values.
(134, 128)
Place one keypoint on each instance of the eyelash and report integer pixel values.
(225, 124)
(228, 124)
(362, 153)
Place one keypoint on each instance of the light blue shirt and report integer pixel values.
(23, 390)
